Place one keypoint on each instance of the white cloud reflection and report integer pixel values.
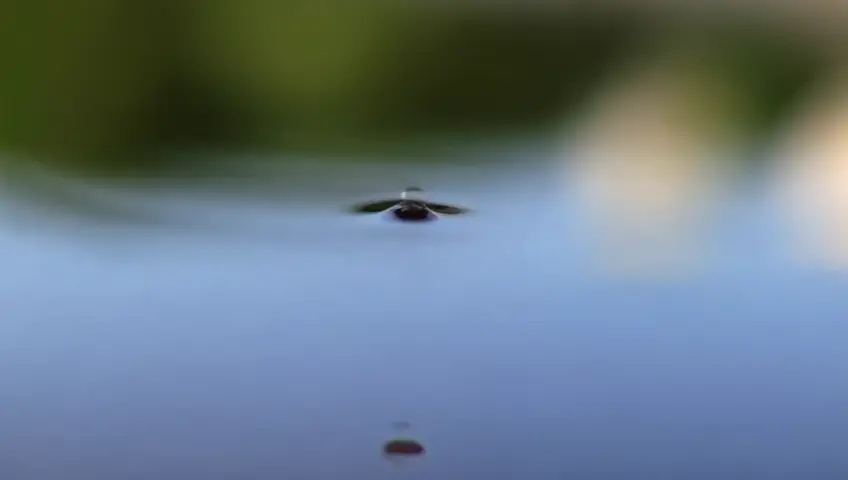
(645, 169)
(814, 174)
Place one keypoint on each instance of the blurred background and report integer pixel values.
(650, 283)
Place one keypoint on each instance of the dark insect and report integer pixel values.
(410, 207)
(403, 446)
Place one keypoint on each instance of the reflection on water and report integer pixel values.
(815, 175)
(646, 166)
(279, 343)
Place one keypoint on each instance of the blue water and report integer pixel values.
(285, 344)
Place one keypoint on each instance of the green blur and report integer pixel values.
(107, 86)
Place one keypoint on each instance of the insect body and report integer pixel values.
(410, 207)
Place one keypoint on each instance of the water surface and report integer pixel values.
(281, 341)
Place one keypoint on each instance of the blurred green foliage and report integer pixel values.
(105, 85)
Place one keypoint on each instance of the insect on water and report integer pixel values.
(402, 446)
(410, 207)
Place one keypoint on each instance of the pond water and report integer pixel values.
(281, 340)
